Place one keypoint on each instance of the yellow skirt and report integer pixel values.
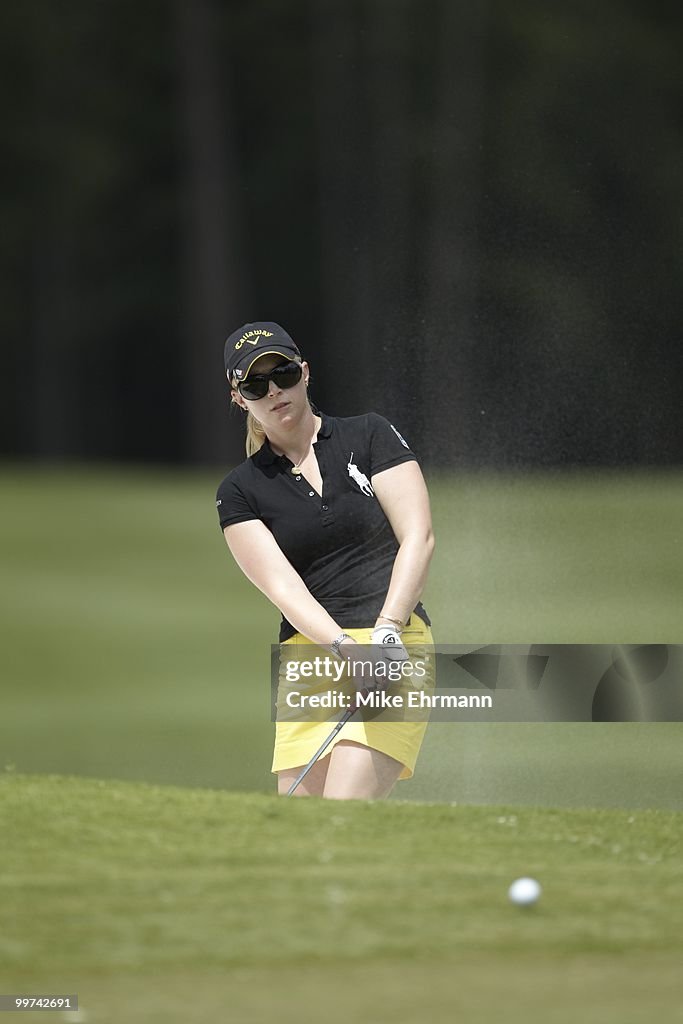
(297, 742)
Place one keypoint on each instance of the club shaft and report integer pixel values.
(304, 771)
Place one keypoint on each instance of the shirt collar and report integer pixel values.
(325, 426)
(266, 456)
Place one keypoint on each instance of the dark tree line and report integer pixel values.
(468, 214)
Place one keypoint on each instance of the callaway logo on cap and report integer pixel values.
(245, 345)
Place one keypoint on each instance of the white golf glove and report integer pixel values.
(389, 639)
(386, 642)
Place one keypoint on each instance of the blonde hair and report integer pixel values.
(256, 435)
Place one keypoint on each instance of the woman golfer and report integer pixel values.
(329, 517)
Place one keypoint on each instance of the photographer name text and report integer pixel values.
(381, 699)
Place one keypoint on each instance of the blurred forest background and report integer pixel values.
(468, 214)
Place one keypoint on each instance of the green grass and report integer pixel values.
(169, 904)
(135, 654)
(134, 648)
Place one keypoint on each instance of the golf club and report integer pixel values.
(304, 772)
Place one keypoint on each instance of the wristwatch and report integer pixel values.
(336, 644)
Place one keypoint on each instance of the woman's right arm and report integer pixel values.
(263, 561)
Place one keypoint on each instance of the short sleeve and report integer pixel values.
(387, 446)
(232, 504)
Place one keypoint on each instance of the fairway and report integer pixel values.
(169, 904)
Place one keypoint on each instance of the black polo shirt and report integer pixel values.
(340, 542)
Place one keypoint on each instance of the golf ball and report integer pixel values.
(524, 891)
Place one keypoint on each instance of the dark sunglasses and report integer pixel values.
(284, 376)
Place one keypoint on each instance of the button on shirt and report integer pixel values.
(340, 542)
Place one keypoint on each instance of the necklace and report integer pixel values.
(297, 469)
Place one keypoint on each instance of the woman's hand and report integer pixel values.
(361, 666)
(389, 639)
(369, 664)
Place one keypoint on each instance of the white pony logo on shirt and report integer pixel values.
(360, 478)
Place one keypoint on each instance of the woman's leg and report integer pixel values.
(357, 772)
(312, 785)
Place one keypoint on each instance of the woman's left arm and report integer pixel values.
(402, 493)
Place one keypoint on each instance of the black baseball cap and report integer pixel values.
(245, 345)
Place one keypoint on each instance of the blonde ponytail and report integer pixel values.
(256, 435)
